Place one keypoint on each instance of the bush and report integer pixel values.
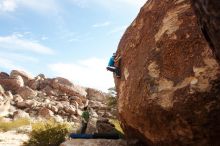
(112, 101)
(112, 97)
(85, 116)
(47, 133)
(6, 126)
(117, 125)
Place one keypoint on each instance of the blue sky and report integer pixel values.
(69, 38)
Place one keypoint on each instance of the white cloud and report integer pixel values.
(119, 29)
(13, 61)
(39, 5)
(134, 2)
(17, 57)
(75, 37)
(7, 5)
(110, 3)
(43, 38)
(13, 42)
(8, 64)
(107, 23)
(36, 5)
(123, 3)
(74, 40)
(11, 65)
(44, 6)
(90, 73)
(80, 3)
(19, 35)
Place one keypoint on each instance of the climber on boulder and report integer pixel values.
(112, 65)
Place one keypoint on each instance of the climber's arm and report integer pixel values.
(117, 59)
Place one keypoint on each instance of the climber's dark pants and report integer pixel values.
(83, 128)
(114, 69)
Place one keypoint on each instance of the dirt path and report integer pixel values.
(94, 142)
(11, 138)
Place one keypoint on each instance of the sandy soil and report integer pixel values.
(94, 142)
(11, 138)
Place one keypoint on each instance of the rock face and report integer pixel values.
(169, 91)
(208, 14)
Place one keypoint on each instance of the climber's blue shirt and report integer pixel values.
(111, 61)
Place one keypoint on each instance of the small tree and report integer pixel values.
(112, 100)
(112, 92)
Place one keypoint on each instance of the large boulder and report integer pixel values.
(22, 105)
(104, 126)
(26, 92)
(4, 75)
(20, 114)
(64, 81)
(91, 126)
(208, 14)
(81, 90)
(12, 83)
(17, 98)
(93, 94)
(4, 107)
(8, 95)
(70, 109)
(25, 76)
(2, 91)
(169, 90)
(39, 83)
(64, 88)
(45, 113)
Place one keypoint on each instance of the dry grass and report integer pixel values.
(6, 126)
(117, 125)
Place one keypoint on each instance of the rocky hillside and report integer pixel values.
(169, 90)
(23, 96)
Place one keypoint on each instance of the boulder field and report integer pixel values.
(23, 96)
(169, 90)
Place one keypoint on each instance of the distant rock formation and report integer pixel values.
(96, 95)
(22, 95)
(208, 14)
(169, 91)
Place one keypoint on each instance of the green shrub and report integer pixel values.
(85, 116)
(112, 97)
(47, 133)
(112, 101)
(6, 126)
